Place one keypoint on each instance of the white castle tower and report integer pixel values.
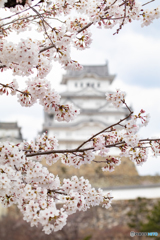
(86, 90)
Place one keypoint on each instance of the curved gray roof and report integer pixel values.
(96, 71)
(9, 125)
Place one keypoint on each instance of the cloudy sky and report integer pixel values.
(133, 55)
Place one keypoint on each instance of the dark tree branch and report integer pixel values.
(121, 120)
(7, 86)
(148, 2)
(73, 151)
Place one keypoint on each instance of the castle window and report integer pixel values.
(88, 84)
(81, 84)
(76, 84)
(98, 84)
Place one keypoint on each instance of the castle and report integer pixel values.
(86, 90)
(10, 131)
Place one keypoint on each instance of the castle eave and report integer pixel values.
(93, 71)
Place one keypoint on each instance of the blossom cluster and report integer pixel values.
(40, 89)
(37, 192)
(117, 98)
(77, 159)
(61, 30)
(131, 146)
(11, 86)
(111, 162)
(155, 145)
(126, 140)
(149, 15)
(41, 144)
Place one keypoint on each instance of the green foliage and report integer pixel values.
(87, 238)
(137, 216)
(143, 220)
(153, 224)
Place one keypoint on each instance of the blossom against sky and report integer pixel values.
(133, 55)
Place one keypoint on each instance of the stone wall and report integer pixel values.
(96, 223)
(124, 175)
(112, 223)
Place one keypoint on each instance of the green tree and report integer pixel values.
(153, 224)
(138, 213)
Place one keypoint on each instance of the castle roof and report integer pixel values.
(94, 71)
(9, 125)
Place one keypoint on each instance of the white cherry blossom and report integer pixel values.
(24, 181)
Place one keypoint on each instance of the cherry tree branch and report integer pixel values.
(148, 2)
(7, 86)
(121, 120)
(47, 48)
(85, 27)
(2, 66)
(56, 191)
(65, 151)
(107, 7)
(54, 46)
(43, 21)
(2, 19)
(99, 161)
(121, 25)
(21, 19)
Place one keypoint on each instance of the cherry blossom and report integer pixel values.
(24, 181)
